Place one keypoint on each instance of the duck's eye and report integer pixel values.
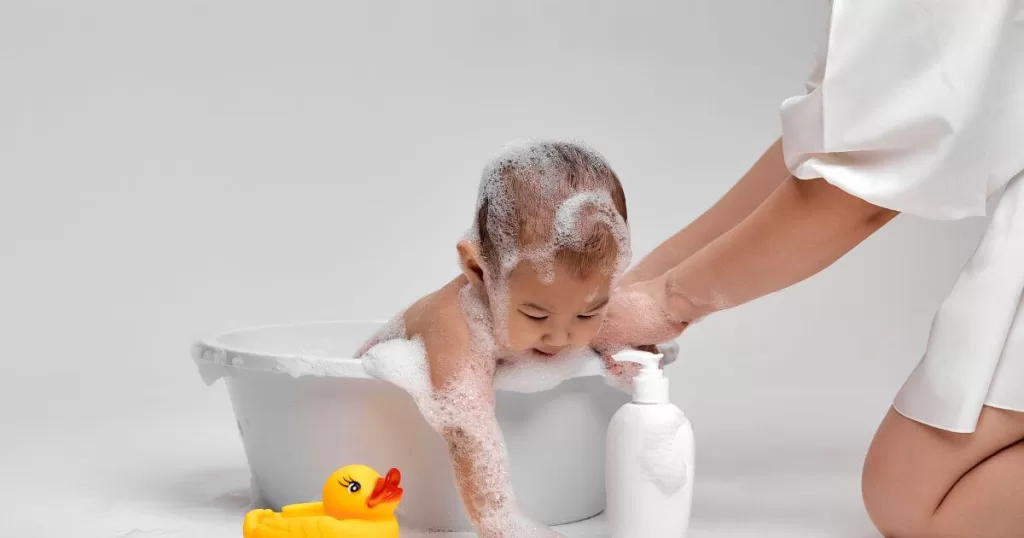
(351, 485)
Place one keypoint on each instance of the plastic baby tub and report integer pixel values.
(305, 408)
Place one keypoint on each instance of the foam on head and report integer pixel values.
(546, 203)
(551, 201)
(588, 227)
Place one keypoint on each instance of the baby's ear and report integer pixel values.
(470, 262)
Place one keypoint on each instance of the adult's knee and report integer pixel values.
(894, 510)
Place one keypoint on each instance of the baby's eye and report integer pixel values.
(586, 316)
(535, 318)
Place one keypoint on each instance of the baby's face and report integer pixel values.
(547, 318)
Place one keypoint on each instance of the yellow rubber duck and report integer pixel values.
(357, 503)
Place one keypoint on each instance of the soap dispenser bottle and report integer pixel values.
(650, 459)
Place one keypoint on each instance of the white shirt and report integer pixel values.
(918, 106)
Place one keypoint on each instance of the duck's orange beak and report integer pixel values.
(386, 489)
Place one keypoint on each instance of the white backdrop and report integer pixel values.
(170, 169)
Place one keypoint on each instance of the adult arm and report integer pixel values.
(767, 173)
(876, 129)
(897, 136)
(801, 229)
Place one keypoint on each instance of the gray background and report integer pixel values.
(171, 169)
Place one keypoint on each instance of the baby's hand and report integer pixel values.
(517, 526)
(536, 530)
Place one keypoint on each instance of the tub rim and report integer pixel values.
(212, 352)
(216, 358)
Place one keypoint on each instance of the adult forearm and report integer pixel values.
(743, 198)
(801, 229)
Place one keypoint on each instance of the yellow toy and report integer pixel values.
(357, 503)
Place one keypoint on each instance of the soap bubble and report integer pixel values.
(395, 328)
(526, 374)
(401, 362)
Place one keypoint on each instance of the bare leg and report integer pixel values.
(925, 482)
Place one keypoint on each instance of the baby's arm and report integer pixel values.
(456, 397)
(463, 414)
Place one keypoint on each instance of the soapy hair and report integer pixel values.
(552, 202)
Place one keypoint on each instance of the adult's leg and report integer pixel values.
(925, 482)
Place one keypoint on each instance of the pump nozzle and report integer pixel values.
(650, 385)
(647, 360)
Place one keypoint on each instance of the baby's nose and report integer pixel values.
(557, 338)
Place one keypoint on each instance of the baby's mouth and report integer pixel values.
(546, 353)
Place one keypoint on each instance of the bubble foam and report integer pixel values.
(527, 374)
(539, 197)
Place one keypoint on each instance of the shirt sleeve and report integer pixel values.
(889, 110)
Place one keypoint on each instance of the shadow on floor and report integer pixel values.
(222, 490)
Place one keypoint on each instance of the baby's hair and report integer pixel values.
(552, 202)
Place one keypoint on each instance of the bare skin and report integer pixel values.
(800, 229)
(543, 320)
(767, 173)
(918, 481)
(923, 482)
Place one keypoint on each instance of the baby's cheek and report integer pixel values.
(520, 337)
(586, 331)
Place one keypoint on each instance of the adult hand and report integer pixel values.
(640, 316)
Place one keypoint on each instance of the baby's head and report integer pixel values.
(548, 241)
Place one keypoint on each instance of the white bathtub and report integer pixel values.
(303, 409)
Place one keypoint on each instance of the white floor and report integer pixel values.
(188, 479)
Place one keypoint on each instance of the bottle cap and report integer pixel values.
(650, 385)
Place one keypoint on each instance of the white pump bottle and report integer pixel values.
(650, 459)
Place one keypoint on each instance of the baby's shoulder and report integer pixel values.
(439, 322)
(452, 354)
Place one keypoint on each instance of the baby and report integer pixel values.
(548, 241)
